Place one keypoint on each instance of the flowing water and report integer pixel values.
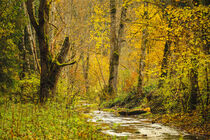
(137, 128)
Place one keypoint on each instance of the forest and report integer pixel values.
(62, 60)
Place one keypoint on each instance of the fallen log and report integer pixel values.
(131, 112)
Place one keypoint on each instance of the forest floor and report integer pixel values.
(190, 122)
(53, 120)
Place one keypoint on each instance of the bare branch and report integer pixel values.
(64, 51)
(54, 39)
(53, 26)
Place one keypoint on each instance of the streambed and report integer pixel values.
(133, 127)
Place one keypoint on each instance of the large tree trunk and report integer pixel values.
(114, 51)
(45, 81)
(51, 72)
(50, 69)
(142, 56)
(115, 45)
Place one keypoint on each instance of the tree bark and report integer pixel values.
(23, 58)
(164, 65)
(27, 59)
(115, 45)
(194, 85)
(51, 72)
(142, 56)
(22, 49)
(32, 42)
(166, 53)
(114, 51)
(85, 66)
(50, 69)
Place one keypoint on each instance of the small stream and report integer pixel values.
(137, 128)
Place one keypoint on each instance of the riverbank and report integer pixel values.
(138, 126)
(189, 122)
(192, 123)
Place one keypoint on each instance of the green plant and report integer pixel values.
(50, 121)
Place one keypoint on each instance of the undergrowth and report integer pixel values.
(130, 99)
(50, 121)
(189, 122)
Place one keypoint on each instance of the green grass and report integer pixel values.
(50, 121)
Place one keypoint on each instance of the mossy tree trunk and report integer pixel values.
(116, 39)
(114, 51)
(50, 68)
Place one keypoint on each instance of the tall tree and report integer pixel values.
(144, 43)
(114, 52)
(86, 65)
(116, 39)
(32, 41)
(199, 34)
(167, 46)
(50, 67)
